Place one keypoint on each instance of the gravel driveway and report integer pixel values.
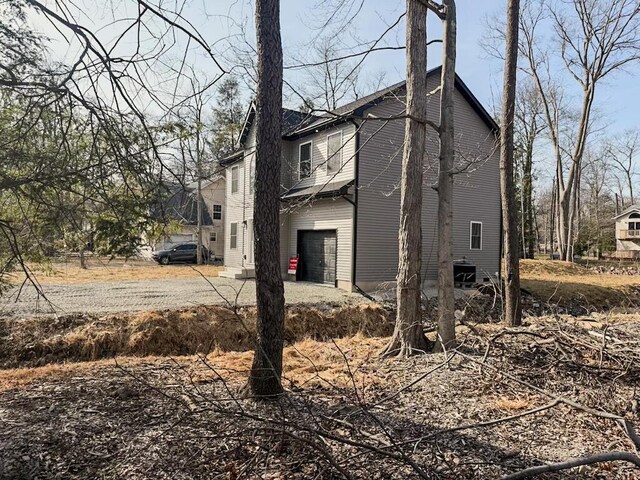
(109, 297)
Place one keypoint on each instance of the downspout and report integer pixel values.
(354, 241)
(354, 250)
(244, 213)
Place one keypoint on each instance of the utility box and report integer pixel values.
(464, 273)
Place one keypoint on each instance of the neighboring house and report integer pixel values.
(181, 207)
(628, 233)
(341, 197)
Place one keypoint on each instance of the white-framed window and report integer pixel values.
(475, 235)
(304, 162)
(233, 236)
(235, 174)
(217, 212)
(334, 152)
(213, 237)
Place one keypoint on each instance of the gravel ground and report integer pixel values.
(111, 297)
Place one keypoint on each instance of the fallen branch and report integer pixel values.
(575, 462)
(626, 426)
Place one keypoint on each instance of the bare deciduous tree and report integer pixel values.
(512, 304)
(597, 38)
(408, 336)
(528, 125)
(623, 151)
(446, 298)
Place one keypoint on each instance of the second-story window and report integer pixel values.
(305, 160)
(217, 212)
(234, 179)
(334, 152)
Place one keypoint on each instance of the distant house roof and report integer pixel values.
(627, 211)
(181, 205)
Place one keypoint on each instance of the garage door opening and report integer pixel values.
(317, 250)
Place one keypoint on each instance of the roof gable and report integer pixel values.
(358, 107)
(297, 124)
(291, 120)
(628, 211)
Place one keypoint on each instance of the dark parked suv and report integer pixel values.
(185, 252)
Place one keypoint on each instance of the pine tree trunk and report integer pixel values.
(408, 336)
(266, 371)
(446, 297)
(512, 305)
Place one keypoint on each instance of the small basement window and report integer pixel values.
(334, 152)
(304, 167)
(475, 236)
(234, 179)
(217, 212)
(233, 236)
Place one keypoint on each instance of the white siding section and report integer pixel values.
(327, 214)
(319, 175)
(239, 207)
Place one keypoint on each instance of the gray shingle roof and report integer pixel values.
(366, 100)
(180, 204)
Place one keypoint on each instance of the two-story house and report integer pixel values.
(628, 233)
(181, 207)
(341, 198)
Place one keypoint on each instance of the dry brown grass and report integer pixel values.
(184, 331)
(104, 271)
(557, 281)
(23, 377)
(305, 363)
(510, 403)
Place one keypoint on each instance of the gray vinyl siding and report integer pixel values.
(326, 214)
(476, 192)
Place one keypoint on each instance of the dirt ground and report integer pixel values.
(105, 270)
(555, 282)
(487, 412)
(157, 395)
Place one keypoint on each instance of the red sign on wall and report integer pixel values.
(293, 265)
